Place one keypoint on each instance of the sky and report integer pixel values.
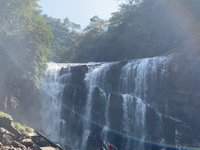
(79, 11)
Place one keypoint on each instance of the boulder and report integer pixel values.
(6, 137)
(7, 124)
(27, 142)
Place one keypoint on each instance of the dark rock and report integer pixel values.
(116, 112)
(7, 124)
(64, 71)
(99, 106)
(78, 73)
(41, 142)
(171, 95)
(6, 137)
(27, 142)
(18, 145)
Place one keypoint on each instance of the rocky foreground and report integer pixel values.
(13, 139)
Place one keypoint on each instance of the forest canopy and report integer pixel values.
(139, 29)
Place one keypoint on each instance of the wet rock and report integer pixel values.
(168, 86)
(99, 106)
(64, 71)
(116, 112)
(27, 142)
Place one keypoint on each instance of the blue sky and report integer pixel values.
(79, 11)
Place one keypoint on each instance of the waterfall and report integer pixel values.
(125, 88)
(140, 121)
(134, 125)
(51, 91)
(136, 74)
(95, 78)
(106, 127)
(134, 84)
(127, 119)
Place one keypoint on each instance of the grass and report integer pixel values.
(4, 115)
(24, 129)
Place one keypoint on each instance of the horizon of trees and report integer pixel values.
(139, 29)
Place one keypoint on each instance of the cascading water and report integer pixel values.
(134, 125)
(140, 121)
(135, 81)
(95, 78)
(127, 119)
(51, 90)
(106, 127)
(134, 84)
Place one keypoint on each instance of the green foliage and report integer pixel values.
(90, 41)
(24, 129)
(5, 115)
(25, 39)
(65, 38)
(139, 29)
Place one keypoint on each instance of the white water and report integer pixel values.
(134, 80)
(127, 119)
(106, 127)
(133, 86)
(51, 90)
(136, 121)
(140, 113)
(94, 78)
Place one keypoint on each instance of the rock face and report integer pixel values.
(12, 139)
(132, 104)
(7, 124)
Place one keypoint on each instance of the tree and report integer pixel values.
(140, 29)
(87, 48)
(24, 45)
(65, 37)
